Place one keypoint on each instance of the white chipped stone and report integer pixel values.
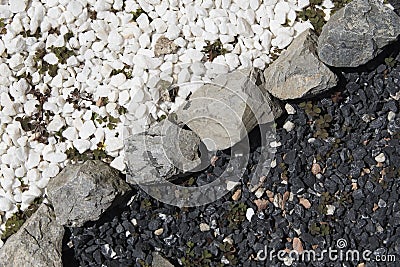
(380, 158)
(88, 128)
(75, 7)
(5, 204)
(231, 184)
(51, 59)
(288, 126)
(17, 6)
(56, 123)
(81, 145)
(330, 209)
(204, 227)
(249, 214)
(290, 109)
(118, 163)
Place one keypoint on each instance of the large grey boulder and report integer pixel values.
(298, 72)
(356, 33)
(221, 113)
(82, 192)
(37, 243)
(163, 151)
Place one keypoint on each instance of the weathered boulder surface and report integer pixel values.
(37, 243)
(356, 33)
(82, 192)
(221, 113)
(298, 72)
(163, 151)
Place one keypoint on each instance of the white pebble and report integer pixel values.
(249, 214)
(17, 6)
(81, 145)
(5, 204)
(88, 128)
(118, 163)
(288, 126)
(204, 227)
(290, 109)
(380, 158)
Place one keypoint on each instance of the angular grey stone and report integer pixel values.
(161, 152)
(356, 33)
(82, 192)
(160, 261)
(37, 243)
(298, 72)
(221, 113)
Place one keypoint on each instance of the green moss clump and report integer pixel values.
(339, 4)
(3, 29)
(321, 229)
(236, 215)
(126, 71)
(97, 154)
(192, 259)
(62, 53)
(214, 49)
(314, 13)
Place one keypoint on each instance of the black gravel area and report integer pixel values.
(326, 186)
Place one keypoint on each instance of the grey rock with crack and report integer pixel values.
(37, 243)
(163, 151)
(298, 72)
(82, 192)
(356, 33)
(221, 113)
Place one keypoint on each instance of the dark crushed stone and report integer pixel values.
(348, 153)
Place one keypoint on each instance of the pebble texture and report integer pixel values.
(357, 33)
(298, 72)
(160, 153)
(82, 192)
(37, 243)
(235, 105)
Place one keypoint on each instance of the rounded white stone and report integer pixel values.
(380, 158)
(81, 145)
(5, 204)
(17, 6)
(88, 128)
(75, 7)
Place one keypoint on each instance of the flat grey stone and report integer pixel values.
(82, 192)
(221, 113)
(37, 243)
(356, 33)
(165, 150)
(298, 72)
